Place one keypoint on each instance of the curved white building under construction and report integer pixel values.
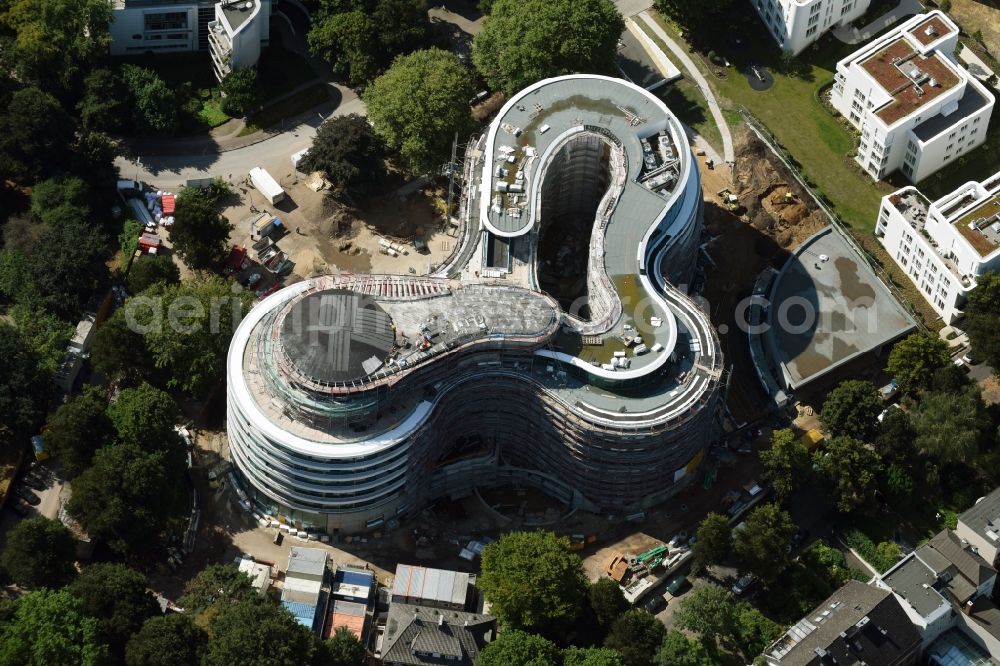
(556, 347)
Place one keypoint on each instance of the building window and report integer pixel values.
(811, 31)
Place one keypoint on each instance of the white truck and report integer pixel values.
(266, 185)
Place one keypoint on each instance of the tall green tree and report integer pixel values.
(127, 496)
(851, 468)
(45, 334)
(714, 542)
(54, 42)
(35, 133)
(39, 553)
(951, 427)
(787, 464)
(679, 650)
(119, 350)
(422, 133)
(343, 649)
(708, 610)
(636, 635)
(240, 90)
(516, 48)
(982, 313)
(607, 601)
(154, 108)
(533, 582)
(760, 545)
(24, 388)
(166, 640)
(347, 150)
(914, 360)
(894, 442)
(215, 583)
(519, 647)
(257, 632)
(187, 329)
(200, 233)
(118, 598)
(62, 197)
(50, 628)
(594, 656)
(360, 38)
(67, 264)
(77, 429)
(851, 410)
(145, 416)
(150, 269)
(103, 105)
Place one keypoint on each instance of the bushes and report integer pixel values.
(881, 556)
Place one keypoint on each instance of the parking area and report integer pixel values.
(34, 493)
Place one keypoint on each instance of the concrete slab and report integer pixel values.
(632, 7)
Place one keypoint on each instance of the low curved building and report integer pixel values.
(556, 348)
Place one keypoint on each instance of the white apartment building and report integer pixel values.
(233, 31)
(795, 24)
(916, 109)
(945, 245)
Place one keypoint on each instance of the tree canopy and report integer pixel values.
(852, 469)
(24, 389)
(154, 110)
(516, 48)
(894, 441)
(257, 632)
(787, 464)
(714, 542)
(698, 17)
(166, 640)
(951, 427)
(636, 635)
(50, 628)
(240, 91)
(118, 598)
(712, 612)
(982, 313)
(607, 601)
(595, 656)
(760, 545)
(145, 416)
(119, 352)
(519, 647)
(914, 360)
(422, 133)
(350, 154)
(533, 581)
(147, 270)
(360, 38)
(127, 495)
(39, 553)
(200, 233)
(343, 649)
(214, 583)
(851, 410)
(679, 650)
(36, 134)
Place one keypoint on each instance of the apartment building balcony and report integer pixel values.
(221, 49)
(914, 208)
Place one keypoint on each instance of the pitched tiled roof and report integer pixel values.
(413, 634)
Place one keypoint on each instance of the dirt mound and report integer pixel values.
(775, 203)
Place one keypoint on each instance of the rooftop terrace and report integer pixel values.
(911, 79)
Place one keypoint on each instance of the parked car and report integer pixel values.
(743, 584)
(20, 508)
(32, 482)
(675, 585)
(655, 604)
(678, 540)
(28, 496)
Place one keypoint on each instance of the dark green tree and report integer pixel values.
(851, 468)
(24, 389)
(914, 360)
(166, 640)
(35, 133)
(118, 598)
(851, 410)
(360, 38)
(148, 270)
(595, 656)
(103, 106)
(39, 553)
(899, 485)
(982, 313)
(754, 630)
(77, 429)
(515, 47)
(533, 581)
(679, 650)
(951, 427)
(128, 495)
(50, 628)
(240, 91)
(59, 198)
(422, 133)
(607, 601)
(145, 416)
(346, 149)
(894, 441)
(760, 545)
(787, 464)
(200, 233)
(518, 647)
(950, 379)
(154, 107)
(45, 334)
(67, 264)
(343, 649)
(714, 542)
(636, 635)
(708, 610)
(214, 583)
(119, 350)
(257, 632)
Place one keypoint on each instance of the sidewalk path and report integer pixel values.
(848, 34)
(696, 76)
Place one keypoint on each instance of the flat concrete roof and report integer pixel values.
(828, 307)
(913, 581)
